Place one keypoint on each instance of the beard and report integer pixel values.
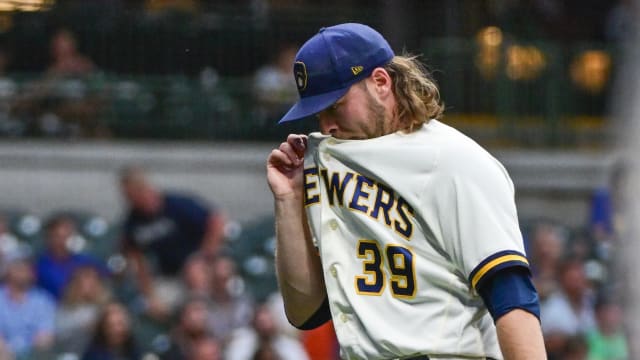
(376, 114)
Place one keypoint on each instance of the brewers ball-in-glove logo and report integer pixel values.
(300, 73)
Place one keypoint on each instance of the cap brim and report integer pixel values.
(312, 105)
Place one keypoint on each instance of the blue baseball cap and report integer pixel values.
(331, 61)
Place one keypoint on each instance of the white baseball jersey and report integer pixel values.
(406, 226)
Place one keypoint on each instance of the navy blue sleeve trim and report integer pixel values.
(508, 290)
(494, 263)
(321, 316)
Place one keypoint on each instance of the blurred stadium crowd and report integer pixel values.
(76, 286)
(175, 278)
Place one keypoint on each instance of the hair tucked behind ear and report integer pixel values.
(416, 92)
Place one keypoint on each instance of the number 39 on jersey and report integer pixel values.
(395, 260)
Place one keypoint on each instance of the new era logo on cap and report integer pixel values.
(331, 61)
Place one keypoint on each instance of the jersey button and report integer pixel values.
(344, 318)
(333, 224)
(333, 271)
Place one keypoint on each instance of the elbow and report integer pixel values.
(304, 321)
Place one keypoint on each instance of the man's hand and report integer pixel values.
(285, 166)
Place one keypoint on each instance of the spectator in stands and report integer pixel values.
(601, 223)
(320, 343)
(113, 337)
(231, 307)
(547, 248)
(165, 227)
(262, 337)
(190, 329)
(574, 349)
(196, 276)
(581, 246)
(26, 312)
(64, 102)
(274, 87)
(57, 263)
(9, 125)
(607, 341)
(207, 349)
(9, 243)
(66, 59)
(568, 311)
(265, 352)
(78, 311)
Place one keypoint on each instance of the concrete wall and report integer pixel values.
(42, 176)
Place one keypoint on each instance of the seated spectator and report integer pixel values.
(196, 276)
(274, 87)
(547, 248)
(266, 352)
(113, 337)
(66, 60)
(26, 312)
(262, 337)
(206, 349)
(190, 329)
(568, 311)
(231, 307)
(9, 243)
(165, 228)
(57, 263)
(79, 309)
(9, 125)
(574, 349)
(63, 102)
(320, 343)
(607, 341)
(601, 224)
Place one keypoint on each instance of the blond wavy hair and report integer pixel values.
(416, 92)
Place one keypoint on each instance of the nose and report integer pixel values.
(328, 125)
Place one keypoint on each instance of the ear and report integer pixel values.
(381, 81)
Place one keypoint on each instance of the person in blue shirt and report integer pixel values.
(56, 264)
(161, 230)
(27, 313)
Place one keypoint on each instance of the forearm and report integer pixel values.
(297, 262)
(141, 273)
(214, 235)
(520, 336)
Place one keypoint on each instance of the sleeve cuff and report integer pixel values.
(496, 262)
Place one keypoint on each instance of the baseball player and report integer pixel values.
(396, 226)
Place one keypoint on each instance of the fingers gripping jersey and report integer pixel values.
(407, 225)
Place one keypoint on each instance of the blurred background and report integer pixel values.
(188, 93)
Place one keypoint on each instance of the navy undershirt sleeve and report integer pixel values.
(510, 289)
(321, 316)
